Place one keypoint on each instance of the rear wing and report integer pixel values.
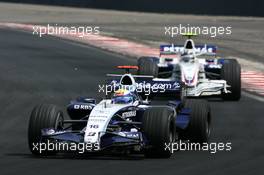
(179, 49)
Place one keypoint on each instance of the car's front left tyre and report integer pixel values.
(199, 128)
(231, 72)
(159, 129)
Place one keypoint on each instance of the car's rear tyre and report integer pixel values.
(43, 116)
(199, 128)
(148, 66)
(159, 128)
(231, 72)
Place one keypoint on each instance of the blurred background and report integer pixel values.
(208, 7)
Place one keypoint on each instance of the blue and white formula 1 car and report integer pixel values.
(123, 122)
(197, 67)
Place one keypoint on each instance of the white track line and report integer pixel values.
(255, 97)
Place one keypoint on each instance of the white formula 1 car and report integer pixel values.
(197, 67)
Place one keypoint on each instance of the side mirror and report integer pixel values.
(136, 103)
(146, 101)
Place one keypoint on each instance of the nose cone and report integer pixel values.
(189, 76)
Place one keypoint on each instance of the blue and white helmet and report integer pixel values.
(122, 96)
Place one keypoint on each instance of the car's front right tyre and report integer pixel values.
(148, 66)
(43, 116)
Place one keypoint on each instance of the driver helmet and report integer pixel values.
(122, 96)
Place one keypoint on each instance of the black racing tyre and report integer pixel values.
(43, 116)
(148, 66)
(159, 128)
(231, 72)
(199, 128)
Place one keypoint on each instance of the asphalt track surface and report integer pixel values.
(34, 70)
